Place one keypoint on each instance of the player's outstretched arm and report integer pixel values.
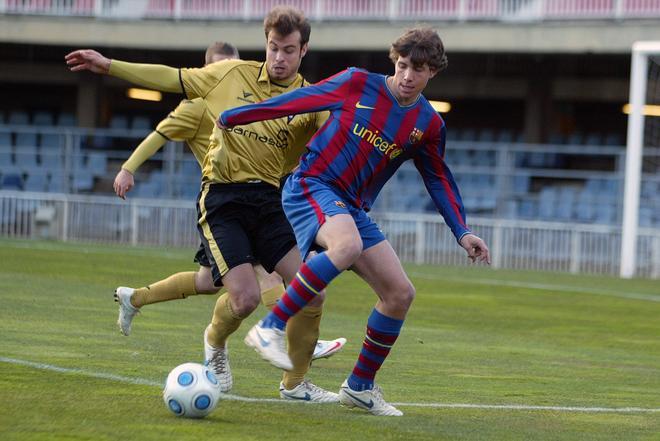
(87, 59)
(476, 248)
(153, 76)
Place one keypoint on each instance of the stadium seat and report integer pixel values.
(43, 118)
(141, 123)
(505, 136)
(26, 139)
(118, 122)
(18, 117)
(57, 182)
(593, 139)
(26, 158)
(97, 163)
(50, 141)
(6, 158)
(66, 120)
(548, 200)
(36, 181)
(12, 181)
(613, 139)
(5, 139)
(83, 181)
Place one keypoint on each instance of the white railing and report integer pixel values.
(345, 10)
(421, 239)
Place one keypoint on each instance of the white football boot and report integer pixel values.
(370, 400)
(126, 310)
(307, 391)
(270, 343)
(328, 348)
(217, 359)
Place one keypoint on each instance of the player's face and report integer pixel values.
(283, 56)
(409, 80)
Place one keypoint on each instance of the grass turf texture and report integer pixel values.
(470, 338)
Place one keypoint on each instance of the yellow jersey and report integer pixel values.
(188, 122)
(259, 152)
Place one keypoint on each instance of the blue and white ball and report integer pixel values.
(191, 391)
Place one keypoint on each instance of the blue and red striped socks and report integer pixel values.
(313, 276)
(382, 332)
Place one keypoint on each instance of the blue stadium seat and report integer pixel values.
(505, 135)
(5, 139)
(12, 181)
(83, 181)
(6, 158)
(26, 158)
(118, 122)
(593, 139)
(66, 120)
(575, 138)
(43, 118)
(527, 209)
(486, 135)
(26, 139)
(57, 182)
(50, 141)
(613, 139)
(97, 163)
(36, 181)
(18, 117)
(548, 199)
(141, 123)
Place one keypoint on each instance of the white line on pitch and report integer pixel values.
(145, 382)
(541, 286)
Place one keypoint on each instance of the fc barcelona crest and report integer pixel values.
(415, 136)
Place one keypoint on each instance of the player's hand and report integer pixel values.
(87, 59)
(123, 183)
(476, 248)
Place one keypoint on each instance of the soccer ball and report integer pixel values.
(191, 391)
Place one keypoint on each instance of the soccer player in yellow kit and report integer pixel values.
(189, 122)
(240, 216)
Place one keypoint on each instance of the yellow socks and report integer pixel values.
(224, 322)
(177, 286)
(271, 296)
(302, 331)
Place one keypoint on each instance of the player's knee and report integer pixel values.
(345, 253)
(404, 296)
(243, 303)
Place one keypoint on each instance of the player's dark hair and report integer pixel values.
(221, 48)
(423, 46)
(285, 20)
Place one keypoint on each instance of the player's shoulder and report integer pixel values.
(194, 106)
(234, 65)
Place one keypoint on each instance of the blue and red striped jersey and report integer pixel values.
(366, 139)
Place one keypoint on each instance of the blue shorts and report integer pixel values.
(306, 203)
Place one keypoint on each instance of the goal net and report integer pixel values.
(641, 203)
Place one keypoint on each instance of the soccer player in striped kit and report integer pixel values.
(377, 122)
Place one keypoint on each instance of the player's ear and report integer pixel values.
(433, 72)
(303, 50)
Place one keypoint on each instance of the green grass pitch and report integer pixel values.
(583, 348)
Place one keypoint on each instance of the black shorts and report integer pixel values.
(201, 257)
(242, 223)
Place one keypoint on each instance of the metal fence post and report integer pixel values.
(496, 246)
(134, 223)
(574, 264)
(420, 242)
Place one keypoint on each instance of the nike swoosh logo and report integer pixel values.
(369, 405)
(335, 346)
(307, 397)
(360, 106)
(263, 342)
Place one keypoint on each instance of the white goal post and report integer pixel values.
(641, 51)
